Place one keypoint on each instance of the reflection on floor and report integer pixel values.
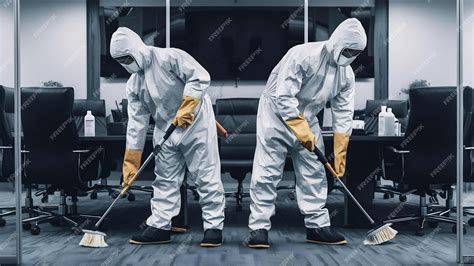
(58, 246)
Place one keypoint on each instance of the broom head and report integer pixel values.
(380, 235)
(93, 239)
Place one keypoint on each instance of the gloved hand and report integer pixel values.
(185, 116)
(131, 163)
(302, 131)
(341, 141)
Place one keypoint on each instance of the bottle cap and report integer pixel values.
(89, 112)
(389, 110)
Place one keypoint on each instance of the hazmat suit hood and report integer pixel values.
(125, 42)
(349, 34)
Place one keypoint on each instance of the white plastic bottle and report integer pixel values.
(89, 125)
(382, 123)
(389, 123)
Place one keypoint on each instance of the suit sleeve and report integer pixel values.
(138, 117)
(195, 78)
(342, 106)
(289, 80)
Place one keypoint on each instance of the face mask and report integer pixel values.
(132, 67)
(344, 61)
(347, 56)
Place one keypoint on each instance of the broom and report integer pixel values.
(379, 234)
(96, 239)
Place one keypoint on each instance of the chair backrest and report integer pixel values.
(431, 137)
(6, 139)
(239, 117)
(97, 108)
(372, 110)
(50, 136)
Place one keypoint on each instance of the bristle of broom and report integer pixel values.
(380, 235)
(93, 239)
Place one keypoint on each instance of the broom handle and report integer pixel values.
(124, 190)
(324, 160)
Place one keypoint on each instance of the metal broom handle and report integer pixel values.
(156, 150)
(326, 163)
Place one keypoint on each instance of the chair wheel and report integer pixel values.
(26, 226)
(402, 198)
(420, 232)
(35, 230)
(131, 197)
(470, 222)
(433, 224)
(2, 222)
(454, 230)
(94, 195)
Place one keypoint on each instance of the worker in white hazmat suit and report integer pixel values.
(170, 85)
(307, 77)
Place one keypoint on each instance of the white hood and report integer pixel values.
(349, 34)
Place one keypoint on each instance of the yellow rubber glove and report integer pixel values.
(131, 163)
(341, 142)
(185, 116)
(302, 131)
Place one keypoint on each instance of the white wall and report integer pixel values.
(422, 43)
(53, 43)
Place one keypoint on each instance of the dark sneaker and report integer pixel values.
(212, 238)
(258, 239)
(151, 235)
(324, 235)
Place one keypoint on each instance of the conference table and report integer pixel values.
(363, 161)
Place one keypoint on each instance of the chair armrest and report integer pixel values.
(81, 151)
(394, 150)
(468, 148)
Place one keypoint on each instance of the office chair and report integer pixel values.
(401, 110)
(428, 153)
(97, 108)
(52, 156)
(239, 117)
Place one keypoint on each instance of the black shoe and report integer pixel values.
(324, 235)
(212, 238)
(258, 239)
(151, 235)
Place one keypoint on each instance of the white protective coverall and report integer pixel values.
(167, 75)
(302, 82)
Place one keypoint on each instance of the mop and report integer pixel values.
(96, 239)
(379, 234)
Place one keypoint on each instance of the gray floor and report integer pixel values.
(58, 246)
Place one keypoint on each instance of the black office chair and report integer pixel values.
(51, 156)
(239, 117)
(373, 107)
(7, 159)
(401, 110)
(97, 108)
(428, 152)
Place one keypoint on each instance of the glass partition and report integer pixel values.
(10, 236)
(467, 55)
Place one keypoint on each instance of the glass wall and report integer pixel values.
(9, 234)
(467, 27)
